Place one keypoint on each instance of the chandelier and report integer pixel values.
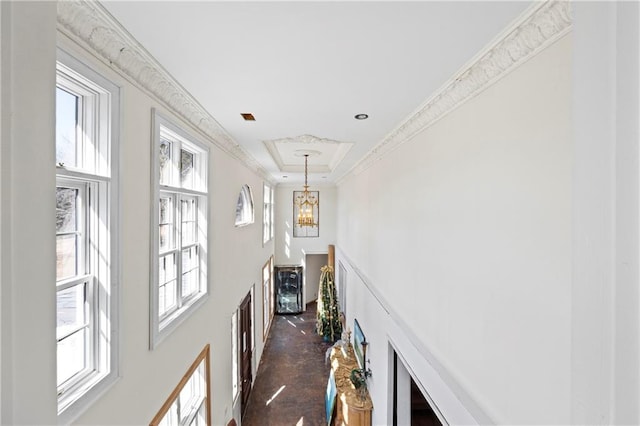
(306, 202)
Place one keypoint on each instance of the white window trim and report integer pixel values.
(235, 355)
(267, 225)
(85, 393)
(267, 299)
(160, 329)
(245, 211)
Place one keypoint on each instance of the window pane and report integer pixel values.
(186, 168)
(166, 233)
(166, 237)
(70, 309)
(192, 394)
(188, 208)
(66, 122)
(66, 256)
(167, 268)
(190, 259)
(66, 209)
(187, 394)
(167, 297)
(166, 210)
(71, 355)
(165, 162)
(190, 282)
(171, 418)
(201, 418)
(190, 271)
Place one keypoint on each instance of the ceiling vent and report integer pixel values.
(247, 116)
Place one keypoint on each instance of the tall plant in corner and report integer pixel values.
(328, 316)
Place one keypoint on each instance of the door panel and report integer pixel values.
(246, 353)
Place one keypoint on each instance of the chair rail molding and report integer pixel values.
(89, 24)
(538, 27)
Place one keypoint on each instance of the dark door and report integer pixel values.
(246, 353)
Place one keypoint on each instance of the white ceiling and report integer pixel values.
(304, 69)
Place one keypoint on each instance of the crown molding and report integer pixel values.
(313, 142)
(89, 24)
(537, 28)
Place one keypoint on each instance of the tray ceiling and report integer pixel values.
(305, 69)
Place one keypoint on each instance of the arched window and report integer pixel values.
(244, 207)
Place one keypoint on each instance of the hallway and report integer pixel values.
(292, 377)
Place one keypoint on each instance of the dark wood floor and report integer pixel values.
(292, 377)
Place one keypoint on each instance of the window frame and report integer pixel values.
(84, 276)
(268, 195)
(245, 212)
(97, 176)
(163, 323)
(235, 355)
(267, 298)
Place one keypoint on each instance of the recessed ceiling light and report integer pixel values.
(247, 116)
(361, 116)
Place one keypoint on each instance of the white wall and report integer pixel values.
(383, 329)
(290, 250)
(464, 234)
(28, 245)
(28, 225)
(312, 265)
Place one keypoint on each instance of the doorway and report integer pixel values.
(246, 354)
(312, 264)
(409, 405)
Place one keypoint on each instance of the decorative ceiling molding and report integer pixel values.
(311, 142)
(91, 25)
(537, 28)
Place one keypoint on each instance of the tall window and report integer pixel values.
(190, 402)
(179, 275)
(267, 297)
(267, 214)
(235, 355)
(86, 212)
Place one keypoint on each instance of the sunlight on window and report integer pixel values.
(179, 267)
(86, 199)
(276, 394)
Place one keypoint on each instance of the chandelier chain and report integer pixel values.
(306, 202)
